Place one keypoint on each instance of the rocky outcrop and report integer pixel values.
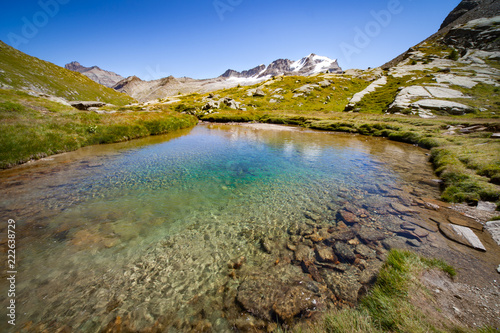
(371, 88)
(106, 78)
(459, 11)
(229, 102)
(481, 34)
(86, 105)
(418, 99)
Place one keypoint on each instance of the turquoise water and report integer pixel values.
(145, 230)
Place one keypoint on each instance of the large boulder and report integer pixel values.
(306, 89)
(258, 93)
(211, 105)
(441, 106)
(85, 105)
(230, 103)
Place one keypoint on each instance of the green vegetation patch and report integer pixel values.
(33, 128)
(21, 71)
(388, 306)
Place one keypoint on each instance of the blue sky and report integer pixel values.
(204, 38)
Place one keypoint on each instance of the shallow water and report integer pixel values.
(145, 229)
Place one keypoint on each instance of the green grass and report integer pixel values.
(388, 306)
(21, 71)
(33, 128)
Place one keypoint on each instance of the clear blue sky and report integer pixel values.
(203, 38)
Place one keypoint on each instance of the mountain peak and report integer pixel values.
(309, 65)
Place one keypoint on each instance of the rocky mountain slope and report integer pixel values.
(310, 65)
(106, 78)
(23, 72)
(159, 89)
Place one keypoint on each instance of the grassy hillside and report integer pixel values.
(21, 71)
(33, 127)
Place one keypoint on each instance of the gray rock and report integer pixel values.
(480, 34)
(394, 243)
(452, 108)
(230, 103)
(414, 242)
(304, 253)
(85, 105)
(369, 275)
(371, 88)
(493, 227)
(365, 251)
(462, 235)
(345, 285)
(306, 89)
(266, 296)
(211, 105)
(368, 234)
(267, 245)
(344, 252)
(343, 235)
(259, 93)
(402, 209)
(486, 206)
(325, 84)
(325, 254)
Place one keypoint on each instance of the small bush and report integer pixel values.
(454, 55)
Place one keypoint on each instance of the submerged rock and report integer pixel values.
(325, 254)
(344, 252)
(348, 217)
(267, 297)
(345, 285)
(304, 253)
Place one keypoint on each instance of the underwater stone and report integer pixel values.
(345, 285)
(325, 254)
(344, 252)
(267, 245)
(304, 253)
(369, 234)
(264, 296)
(365, 251)
(402, 209)
(348, 217)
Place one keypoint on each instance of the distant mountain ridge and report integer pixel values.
(106, 78)
(150, 90)
(310, 65)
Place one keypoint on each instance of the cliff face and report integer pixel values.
(465, 12)
(469, 10)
